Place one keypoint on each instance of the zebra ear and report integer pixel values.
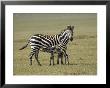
(68, 26)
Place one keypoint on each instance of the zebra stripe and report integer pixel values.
(50, 42)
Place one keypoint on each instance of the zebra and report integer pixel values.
(47, 43)
(61, 50)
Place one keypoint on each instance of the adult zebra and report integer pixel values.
(49, 44)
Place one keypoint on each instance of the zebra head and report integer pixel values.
(70, 30)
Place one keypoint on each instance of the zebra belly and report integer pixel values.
(48, 49)
(43, 44)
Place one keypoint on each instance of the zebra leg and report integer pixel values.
(59, 55)
(31, 55)
(58, 58)
(66, 57)
(52, 58)
(62, 58)
(36, 57)
(50, 61)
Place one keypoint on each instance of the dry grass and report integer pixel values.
(82, 51)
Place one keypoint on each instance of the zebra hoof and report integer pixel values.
(40, 65)
(62, 64)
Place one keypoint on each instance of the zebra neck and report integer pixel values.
(63, 38)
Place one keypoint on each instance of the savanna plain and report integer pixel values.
(82, 50)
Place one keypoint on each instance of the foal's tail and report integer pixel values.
(24, 46)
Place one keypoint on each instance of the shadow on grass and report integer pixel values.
(71, 64)
(60, 64)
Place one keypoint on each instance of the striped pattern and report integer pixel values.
(50, 44)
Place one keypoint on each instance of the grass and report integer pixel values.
(82, 51)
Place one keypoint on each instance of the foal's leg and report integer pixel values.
(52, 58)
(60, 56)
(58, 59)
(36, 57)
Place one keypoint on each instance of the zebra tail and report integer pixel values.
(24, 46)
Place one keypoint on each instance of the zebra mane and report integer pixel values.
(63, 31)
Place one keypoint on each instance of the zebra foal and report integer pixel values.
(48, 44)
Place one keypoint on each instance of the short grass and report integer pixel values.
(82, 51)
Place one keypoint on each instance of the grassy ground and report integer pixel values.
(82, 51)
